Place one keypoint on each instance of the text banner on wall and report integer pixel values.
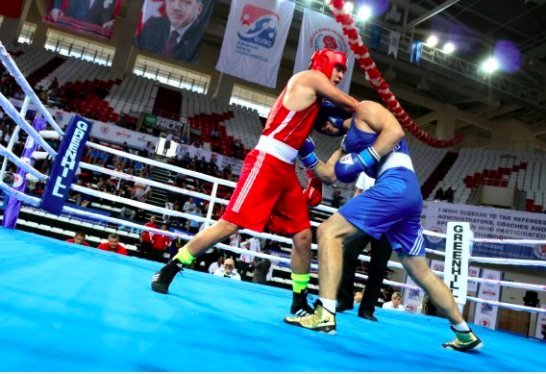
(90, 17)
(540, 331)
(254, 40)
(489, 223)
(320, 31)
(413, 299)
(473, 272)
(486, 315)
(173, 29)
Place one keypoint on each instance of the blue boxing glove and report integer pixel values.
(307, 154)
(350, 166)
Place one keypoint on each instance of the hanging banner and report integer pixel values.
(486, 315)
(394, 42)
(473, 272)
(377, 33)
(173, 29)
(254, 40)
(540, 332)
(490, 223)
(413, 299)
(320, 31)
(416, 50)
(11, 8)
(90, 17)
(13, 205)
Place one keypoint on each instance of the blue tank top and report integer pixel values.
(357, 140)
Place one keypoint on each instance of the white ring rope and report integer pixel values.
(25, 86)
(22, 122)
(22, 164)
(152, 183)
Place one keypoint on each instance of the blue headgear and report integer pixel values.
(329, 112)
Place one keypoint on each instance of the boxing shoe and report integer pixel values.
(322, 320)
(343, 306)
(300, 307)
(367, 314)
(465, 341)
(164, 277)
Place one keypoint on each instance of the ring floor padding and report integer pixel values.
(69, 308)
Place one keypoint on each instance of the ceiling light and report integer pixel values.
(364, 13)
(348, 7)
(432, 41)
(449, 48)
(490, 65)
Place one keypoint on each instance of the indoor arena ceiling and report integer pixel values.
(478, 28)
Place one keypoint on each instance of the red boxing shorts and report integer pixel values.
(268, 192)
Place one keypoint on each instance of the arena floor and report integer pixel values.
(68, 308)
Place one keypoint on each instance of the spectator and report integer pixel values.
(168, 142)
(79, 238)
(146, 238)
(189, 206)
(160, 244)
(337, 199)
(150, 149)
(194, 225)
(439, 194)
(219, 264)
(262, 269)
(228, 271)
(246, 261)
(127, 213)
(113, 245)
(395, 303)
(448, 196)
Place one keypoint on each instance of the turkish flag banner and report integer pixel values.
(12, 8)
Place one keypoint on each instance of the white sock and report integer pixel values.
(330, 305)
(461, 327)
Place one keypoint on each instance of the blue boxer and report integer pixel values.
(393, 205)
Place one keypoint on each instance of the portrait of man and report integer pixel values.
(178, 32)
(88, 16)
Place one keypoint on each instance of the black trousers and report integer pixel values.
(381, 253)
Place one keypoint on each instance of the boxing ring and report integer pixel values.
(67, 307)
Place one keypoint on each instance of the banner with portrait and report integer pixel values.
(11, 8)
(89, 17)
(320, 31)
(254, 40)
(173, 29)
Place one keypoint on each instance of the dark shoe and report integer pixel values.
(322, 320)
(366, 314)
(300, 307)
(465, 341)
(164, 277)
(342, 307)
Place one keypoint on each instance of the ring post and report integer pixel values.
(458, 241)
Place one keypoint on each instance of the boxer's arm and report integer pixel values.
(325, 171)
(323, 87)
(381, 121)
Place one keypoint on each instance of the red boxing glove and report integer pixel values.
(313, 191)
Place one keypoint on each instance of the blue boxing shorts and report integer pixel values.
(391, 207)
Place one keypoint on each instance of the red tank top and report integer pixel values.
(288, 126)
